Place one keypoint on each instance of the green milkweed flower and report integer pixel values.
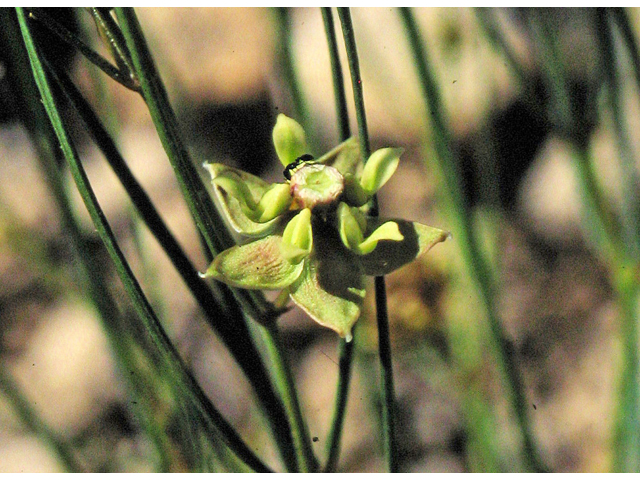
(310, 236)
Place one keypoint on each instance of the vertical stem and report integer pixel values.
(384, 343)
(284, 378)
(288, 66)
(342, 114)
(346, 349)
(463, 231)
(234, 334)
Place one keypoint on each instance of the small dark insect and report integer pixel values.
(296, 164)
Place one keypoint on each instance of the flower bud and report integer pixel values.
(289, 139)
(297, 238)
(379, 168)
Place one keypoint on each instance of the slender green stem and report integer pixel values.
(32, 420)
(623, 272)
(342, 114)
(115, 41)
(463, 232)
(346, 349)
(284, 378)
(152, 325)
(344, 379)
(287, 62)
(235, 334)
(486, 18)
(91, 278)
(630, 180)
(65, 35)
(384, 343)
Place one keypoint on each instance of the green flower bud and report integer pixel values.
(274, 202)
(350, 226)
(354, 194)
(297, 238)
(289, 139)
(379, 168)
(316, 184)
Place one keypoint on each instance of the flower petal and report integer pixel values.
(289, 139)
(391, 255)
(256, 265)
(331, 288)
(379, 168)
(232, 208)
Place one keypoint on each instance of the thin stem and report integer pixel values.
(151, 323)
(630, 181)
(65, 35)
(384, 343)
(346, 349)
(463, 232)
(91, 278)
(342, 114)
(287, 62)
(235, 334)
(486, 18)
(284, 378)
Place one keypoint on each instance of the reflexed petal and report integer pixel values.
(331, 291)
(379, 168)
(289, 139)
(232, 208)
(387, 231)
(389, 256)
(256, 265)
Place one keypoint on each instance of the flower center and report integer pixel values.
(316, 184)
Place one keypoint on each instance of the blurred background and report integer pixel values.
(227, 81)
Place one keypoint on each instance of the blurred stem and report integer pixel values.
(91, 278)
(287, 61)
(630, 181)
(384, 341)
(31, 419)
(235, 334)
(284, 379)
(346, 349)
(463, 233)
(624, 278)
(486, 18)
(184, 380)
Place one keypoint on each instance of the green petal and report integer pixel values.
(379, 168)
(256, 265)
(387, 231)
(232, 208)
(289, 139)
(297, 238)
(331, 289)
(391, 255)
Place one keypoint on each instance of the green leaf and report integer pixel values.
(289, 139)
(391, 255)
(256, 265)
(379, 168)
(331, 287)
(233, 209)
